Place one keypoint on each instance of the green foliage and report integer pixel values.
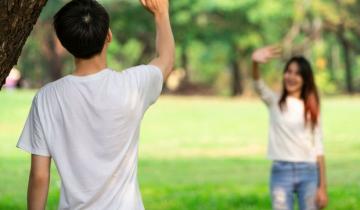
(215, 33)
(204, 71)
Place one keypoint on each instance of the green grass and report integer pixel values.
(199, 154)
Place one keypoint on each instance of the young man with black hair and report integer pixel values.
(88, 122)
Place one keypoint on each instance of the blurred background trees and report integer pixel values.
(215, 40)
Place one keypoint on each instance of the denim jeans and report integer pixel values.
(290, 180)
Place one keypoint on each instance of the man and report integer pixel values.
(88, 122)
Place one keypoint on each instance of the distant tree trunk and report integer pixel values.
(335, 63)
(348, 71)
(236, 86)
(55, 55)
(148, 50)
(185, 63)
(17, 19)
(348, 67)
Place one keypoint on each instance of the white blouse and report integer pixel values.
(290, 138)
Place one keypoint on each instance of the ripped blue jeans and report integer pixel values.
(290, 180)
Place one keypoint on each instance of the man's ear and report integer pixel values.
(109, 36)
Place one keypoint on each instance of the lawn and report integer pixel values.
(199, 154)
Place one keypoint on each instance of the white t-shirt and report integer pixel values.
(290, 138)
(90, 126)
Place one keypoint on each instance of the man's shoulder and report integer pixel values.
(132, 69)
(51, 87)
(142, 67)
(142, 71)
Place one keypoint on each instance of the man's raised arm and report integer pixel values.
(165, 44)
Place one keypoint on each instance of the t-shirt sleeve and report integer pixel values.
(149, 81)
(265, 93)
(32, 138)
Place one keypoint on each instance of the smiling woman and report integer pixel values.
(295, 136)
(299, 82)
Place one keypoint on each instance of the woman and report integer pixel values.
(295, 139)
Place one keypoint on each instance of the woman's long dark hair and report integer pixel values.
(309, 93)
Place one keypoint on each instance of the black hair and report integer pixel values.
(309, 92)
(82, 27)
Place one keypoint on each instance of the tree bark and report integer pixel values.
(17, 19)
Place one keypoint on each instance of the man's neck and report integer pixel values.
(93, 65)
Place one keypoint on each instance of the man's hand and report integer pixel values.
(157, 7)
(263, 55)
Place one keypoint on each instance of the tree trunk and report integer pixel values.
(17, 19)
(348, 72)
(236, 87)
(348, 67)
(185, 64)
(55, 57)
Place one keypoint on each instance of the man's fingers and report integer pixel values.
(147, 6)
(152, 4)
(143, 2)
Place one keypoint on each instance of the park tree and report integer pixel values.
(342, 20)
(16, 22)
